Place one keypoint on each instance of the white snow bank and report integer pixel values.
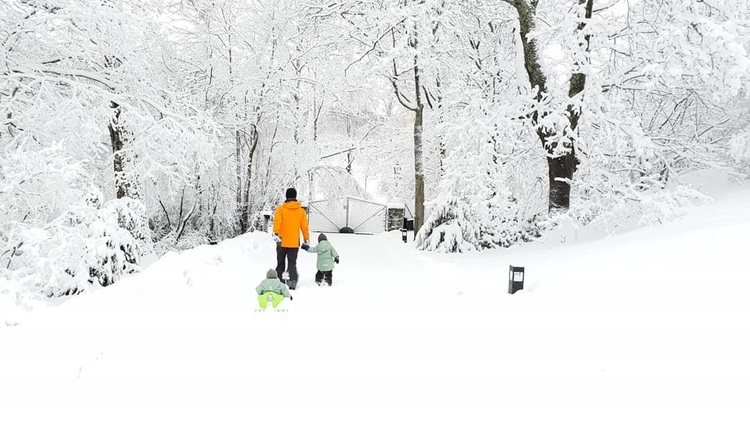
(17, 303)
(650, 326)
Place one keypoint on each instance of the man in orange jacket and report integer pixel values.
(288, 220)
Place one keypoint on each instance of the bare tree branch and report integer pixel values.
(375, 44)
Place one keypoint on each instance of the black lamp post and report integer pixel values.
(404, 234)
(515, 279)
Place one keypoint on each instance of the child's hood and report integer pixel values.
(324, 246)
(269, 283)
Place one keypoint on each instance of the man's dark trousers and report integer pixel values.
(286, 259)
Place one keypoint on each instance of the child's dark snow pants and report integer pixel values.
(328, 276)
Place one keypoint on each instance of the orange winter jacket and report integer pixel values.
(288, 220)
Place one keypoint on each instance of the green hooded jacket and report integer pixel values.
(326, 254)
(272, 285)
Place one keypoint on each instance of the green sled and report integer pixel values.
(274, 298)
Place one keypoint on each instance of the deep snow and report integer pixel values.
(649, 326)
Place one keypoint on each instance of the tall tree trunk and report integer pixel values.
(418, 171)
(418, 109)
(418, 149)
(246, 201)
(442, 149)
(298, 126)
(317, 108)
(118, 135)
(350, 138)
(565, 165)
(560, 169)
(561, 160)
(310, 188)
(238, 164)
(526, 14)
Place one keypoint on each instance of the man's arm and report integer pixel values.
(305, 230)
(277, 221)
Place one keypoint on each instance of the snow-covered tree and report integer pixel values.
(191, 118)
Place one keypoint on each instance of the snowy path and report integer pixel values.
(652, 326)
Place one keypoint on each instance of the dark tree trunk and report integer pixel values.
(561, 160)
(238, 165)
(418, 108)
(246, 207)
(118, 136)
(578, 79)
(561, 169)
(418, 170)
(418, 144)
(526, 14)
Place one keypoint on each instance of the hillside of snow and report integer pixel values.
(648, 326)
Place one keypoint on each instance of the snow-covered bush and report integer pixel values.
(86, 246)
(739, 150)
(131, 216)
(187, 241)
(454, 227)
(475, 208)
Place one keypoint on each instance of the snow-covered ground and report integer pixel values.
(650, 326)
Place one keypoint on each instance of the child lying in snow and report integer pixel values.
(327, 256)
(272, 290)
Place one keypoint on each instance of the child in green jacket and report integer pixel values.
(271, 289)
(327, 256)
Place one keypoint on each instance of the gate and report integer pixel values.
(327, 216)
(362, 216)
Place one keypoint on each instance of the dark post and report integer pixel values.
(266, 219)
(408, 226)
(347, 212)
(515, 279)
